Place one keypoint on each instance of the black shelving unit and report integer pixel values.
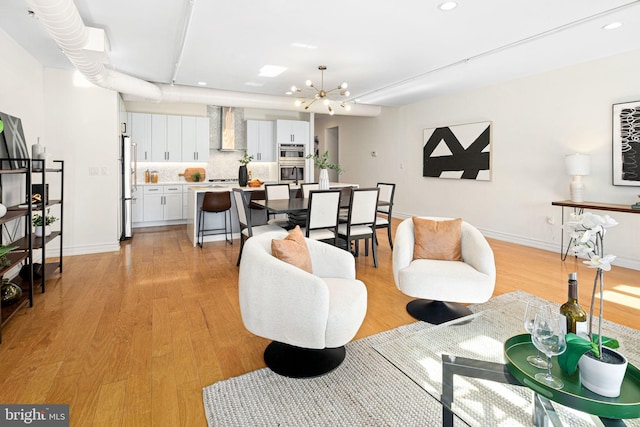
(49, 266)
(23, 255)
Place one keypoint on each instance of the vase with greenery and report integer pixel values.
(322, 162)
(196, 176)
(41, 222)
(587, 232)
(243, 175)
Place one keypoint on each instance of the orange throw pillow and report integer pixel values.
(293, 250)
(437, 239)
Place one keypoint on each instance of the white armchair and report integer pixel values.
(309, 317)
(442, 285)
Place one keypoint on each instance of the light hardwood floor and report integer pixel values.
(130, 338)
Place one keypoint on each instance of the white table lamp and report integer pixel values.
(578, 165)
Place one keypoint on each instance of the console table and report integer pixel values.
(580, 207)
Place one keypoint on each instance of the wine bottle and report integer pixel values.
(576, 316)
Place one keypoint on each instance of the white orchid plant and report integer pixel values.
(587, 236)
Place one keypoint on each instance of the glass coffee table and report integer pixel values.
(484, 393)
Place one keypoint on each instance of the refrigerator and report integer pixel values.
(128, 192)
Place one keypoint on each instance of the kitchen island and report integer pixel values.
(194, 201)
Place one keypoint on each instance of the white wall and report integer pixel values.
(536, 122)
(82, 128)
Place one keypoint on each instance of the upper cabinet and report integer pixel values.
(166, 143)
(168, 138)
(195, 139)
(260, 141)
(140, 131)
(292, 132)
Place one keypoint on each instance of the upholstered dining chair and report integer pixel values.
(322, 215)
(308, 186)
(442, 284)
(361, 220)
(244, 219)
(387, 191)
(309, 316)
(277, 192)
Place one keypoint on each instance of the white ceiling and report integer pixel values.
(389, 53)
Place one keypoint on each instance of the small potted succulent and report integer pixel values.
(41, 222)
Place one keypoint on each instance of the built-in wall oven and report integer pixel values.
(291, 163)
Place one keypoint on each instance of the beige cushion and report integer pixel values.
(293, 250)
(439, 240)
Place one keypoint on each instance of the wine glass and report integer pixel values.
(529, 316)
(548, 337)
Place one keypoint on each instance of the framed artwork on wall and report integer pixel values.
(12, 141)
(626, 143)
(458, 152)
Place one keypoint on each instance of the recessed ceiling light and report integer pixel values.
(448, 5)
(612, 26)
(254, 84)
(304, 45)
(288, 92)
(271, 70)
(202, 83)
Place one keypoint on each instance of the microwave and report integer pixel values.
(291, 151)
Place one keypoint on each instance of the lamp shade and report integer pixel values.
(578, 164)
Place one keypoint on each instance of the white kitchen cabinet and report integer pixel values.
(162, 203)
(195, 139)
(140, 131)
(165, 138)
(137, 206)
(260, 140)
(292, 132)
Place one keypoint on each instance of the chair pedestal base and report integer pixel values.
(436, 312)
(297, 362)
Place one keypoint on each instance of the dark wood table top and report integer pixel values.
(596, 206)
(297, 205)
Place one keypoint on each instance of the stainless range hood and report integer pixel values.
(228, 128)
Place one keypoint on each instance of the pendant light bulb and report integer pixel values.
(326, 102)
(309, 83)
(344, 85)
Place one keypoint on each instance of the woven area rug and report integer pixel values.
(367, 389)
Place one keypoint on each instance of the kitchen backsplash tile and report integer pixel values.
(221, 165)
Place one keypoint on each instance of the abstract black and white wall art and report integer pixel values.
(458, 152)
(12, 142)
(626, 144)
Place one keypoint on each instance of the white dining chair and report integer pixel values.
(322, 215)
(361, 220)
(387, 191)
(244, 219)
(307, 187)
(277, 192)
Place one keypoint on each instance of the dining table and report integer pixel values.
(297, 205)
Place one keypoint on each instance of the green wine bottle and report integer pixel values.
(576, 316)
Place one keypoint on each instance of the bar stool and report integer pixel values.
(214, 202)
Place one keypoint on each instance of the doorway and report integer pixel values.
(331, 143)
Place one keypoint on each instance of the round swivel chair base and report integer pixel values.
(297, 362)
(436, 312)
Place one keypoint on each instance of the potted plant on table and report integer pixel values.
(243, 175)
(322, 162)
(41, 222)
(602, 369)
